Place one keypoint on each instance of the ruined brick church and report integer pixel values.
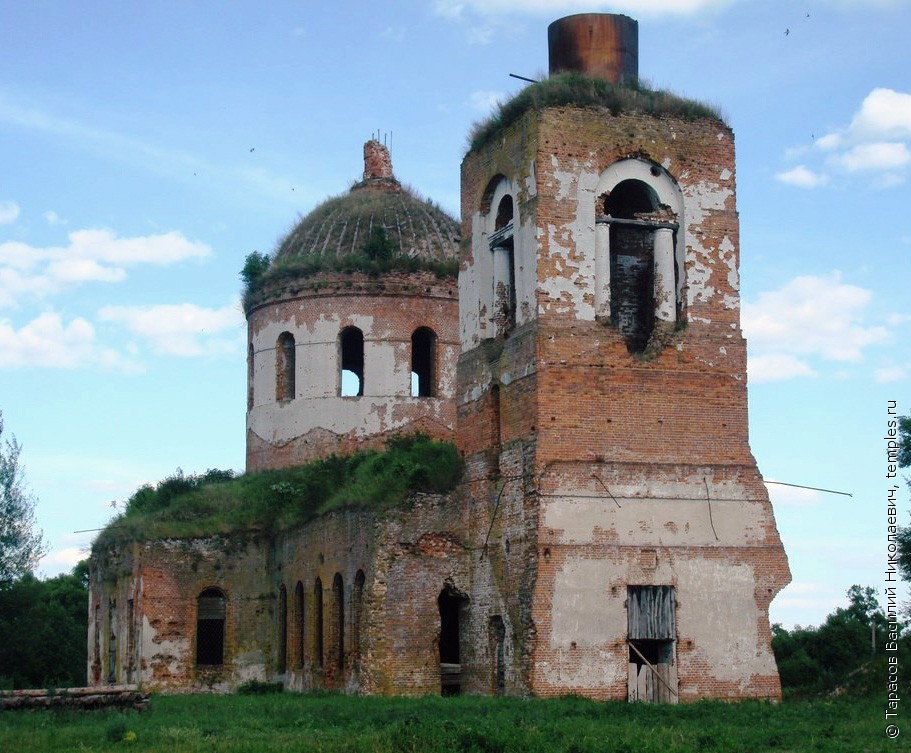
(611, 535)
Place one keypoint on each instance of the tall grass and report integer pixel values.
(579, 90)
(334, 723)
(217, 502)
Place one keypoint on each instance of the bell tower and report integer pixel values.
(602, 406)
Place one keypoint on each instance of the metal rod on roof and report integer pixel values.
(523, 78)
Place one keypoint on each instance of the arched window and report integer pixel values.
(504, 266)
(338, 607)
(250, 377)
(284, 367)
(632, 265)
(318, 622)
(351, 379)
(211, 607)
(423, 362)
(358, 622)
(282, 630)
(299, 622)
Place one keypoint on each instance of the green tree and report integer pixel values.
(20, 542)
(842, 654)
(43, 631)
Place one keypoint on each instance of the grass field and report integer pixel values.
(290, 722)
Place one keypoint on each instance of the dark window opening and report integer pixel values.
(451, 603)
(284, 367)
(131, 640)
(112, 641)
(338, 606)
(282, 630)
(351, 343)
(250, 377)
(632, 265)
(318, 622)
(652, 632)
(498, 641)
(210, 627)
(358, 622)
(504, 213)
(423, 362)
(300, 623)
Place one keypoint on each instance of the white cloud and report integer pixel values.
(792, 496)
(884, 114)
(181, 329)
(90, 256)
(47, 341)
(776, 367)
(9, 212)
(810, 316)
(890, 374)
(63, 560)
(876, 142)
(802, 177)
(877, 156)
(52, 218)
(485, 101)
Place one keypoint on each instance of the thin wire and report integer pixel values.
(814, 488)
(598, 479)
(709, 500)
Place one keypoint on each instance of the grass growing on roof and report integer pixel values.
(579, 90)
(218, 502)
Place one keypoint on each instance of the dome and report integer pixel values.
(378, 218)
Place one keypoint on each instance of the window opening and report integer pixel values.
(632, 265)
(423, 362)
(112, 641)
(96, 660)
(284, 367)
(250, 377)
(210, 627)
(498, 641)
(318, 622)
(131, 640)
(504, 263)
(282, 630)
(299, 614)
(351, 342)
(338, 603)
(358, 621)
(451, 603)
(652, 633)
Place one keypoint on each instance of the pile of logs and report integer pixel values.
(110, 696)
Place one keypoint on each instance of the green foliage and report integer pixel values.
(379, 247)
(839, 655)
(216, 502)
(579, 90)
(256, 265)
(904, 441)
(258, 687)
(43, 629)
(21, 545)
(335, 723)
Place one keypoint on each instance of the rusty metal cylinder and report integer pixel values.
(603, 45)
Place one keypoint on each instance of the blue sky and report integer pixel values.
(146, 148)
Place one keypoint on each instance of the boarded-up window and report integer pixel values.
(652, 631)
(357, 625)
(318, 622)
(338, 608)
(210, 627)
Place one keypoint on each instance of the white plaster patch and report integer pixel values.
(725, 175)
(170, 653)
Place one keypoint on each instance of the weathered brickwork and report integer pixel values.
(591, 370)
